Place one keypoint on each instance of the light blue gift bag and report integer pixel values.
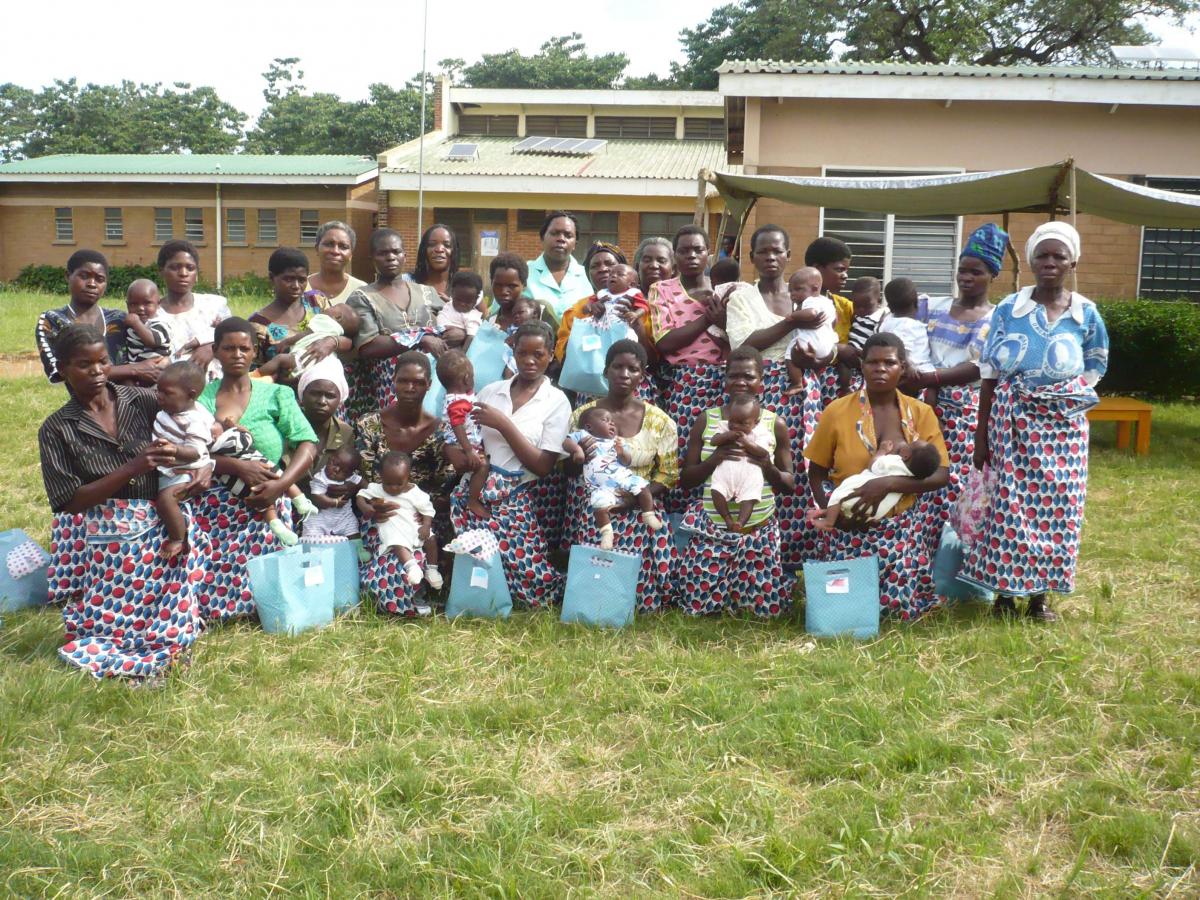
(486, 354)
(842, 597)
(601, 587)
(23, 567)
(435, 397)
(345, 569)
(583, 363)
(293, 588)
(946, 564)
(478, 588)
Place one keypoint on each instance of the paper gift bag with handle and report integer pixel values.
(601, 587)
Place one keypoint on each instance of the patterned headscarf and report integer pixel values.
(1054, 231)
(603, 247)
(987, 244)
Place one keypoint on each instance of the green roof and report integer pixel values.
(1101, 73)
(192, 164)
(618, 158)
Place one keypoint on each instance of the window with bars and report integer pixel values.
(697, 129)
(501, 126)
(310, 224)
(657, 127)
(64, 224)
(114, 224)
(556, 126)
(923, 248)
(594, 226)
(235, 226)
(1170, 267)
(530, 219)
(661, 224)
(193, 224)
(268, 228)
(164, 226)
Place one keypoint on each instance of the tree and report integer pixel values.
(562, 62)
(125, 118)
(988, 32)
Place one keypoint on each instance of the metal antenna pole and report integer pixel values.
(421, 145)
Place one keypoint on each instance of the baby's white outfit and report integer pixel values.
(320, 327)
(884, 466)
(337, 521)
(605, 474)
(820, 341)
(401, 529)
(449, 317)
(915, 335)
(631, 297)
(190, 428)
(739, 479)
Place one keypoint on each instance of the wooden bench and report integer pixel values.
(1126, 412)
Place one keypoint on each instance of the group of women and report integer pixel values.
(1011, 381)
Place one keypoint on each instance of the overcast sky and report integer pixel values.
(342, 48)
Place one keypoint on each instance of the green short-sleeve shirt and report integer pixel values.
(273, 417)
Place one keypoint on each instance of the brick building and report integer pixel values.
(854, 120)
(625, 162)
(236, 209)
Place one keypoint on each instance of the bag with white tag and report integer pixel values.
(601, 587)
(842, 597)
(583, 362)
(293, 588)
(477, 584)
(22, 572)
(486, 353)
(346, 580)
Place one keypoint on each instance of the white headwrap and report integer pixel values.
(329, 369)
(1053, 231)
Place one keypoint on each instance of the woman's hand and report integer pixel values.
(253, 472)
(804, 359)
(339, 491)
(264, 494)
(588, 444)
(760, 456)
(201, 481)
(490, 417)
(203, 355)
(147, 372)
(382, 510)
(431, 343)
(868, 497)
(318, 350)
(715, 310)
(595, 310)
(983, 453)
(806, 318)
(156, 453)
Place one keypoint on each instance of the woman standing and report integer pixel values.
(405, 426)
(335, 248)
(689, 334)
(851, 430)
(958, 329)
(649, 436)
(724, 571)
(1045, 352)
(437, 260)
(270, 413)
(524, 422)
(87, 280)
(556, 278)
(191, 316)
(764, 316)
(128, 613)
(394, 315)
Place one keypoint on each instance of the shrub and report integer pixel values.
(1154, 348)
(53, 280)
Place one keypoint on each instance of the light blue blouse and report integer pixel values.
(1022, 342)
(560, 297)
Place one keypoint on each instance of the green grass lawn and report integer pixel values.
(677, 758)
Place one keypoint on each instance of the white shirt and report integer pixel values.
(822, 340)
(198, 322)
(544, 421)
(915, 335)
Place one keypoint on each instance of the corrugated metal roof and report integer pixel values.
(783, 67)
(617, 159)
(197, 164)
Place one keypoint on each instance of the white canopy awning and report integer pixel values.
(1040, 189)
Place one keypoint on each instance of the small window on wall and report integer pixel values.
(556, 126)
(657, 127)
(193, 224)
(310, 224)
(491, 216)
(114, 225)
(501, 126)
(64, 224)
(923, 248)
(164, 227)
(594, 226)
(235, 226)
(530, 219)
(1170, 267)
(661, 224)
(697, 129)
(268, 228)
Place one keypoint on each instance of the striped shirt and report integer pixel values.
(51, 323)
(136, 350)
(864, 326)
(76, 451)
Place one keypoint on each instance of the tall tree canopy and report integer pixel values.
(985, 32)
(562, 62)
(123, 118)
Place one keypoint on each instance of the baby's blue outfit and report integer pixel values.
(605, 474)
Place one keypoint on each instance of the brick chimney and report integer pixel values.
(441, 97)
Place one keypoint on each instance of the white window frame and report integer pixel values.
(309, 229)
(232, 226)
(64, 225)
(1137, 287)
(169, 221)
(189, 220)
(273, 239)
(114, 225)
(890, 218)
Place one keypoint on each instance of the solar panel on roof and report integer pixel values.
(526, 143)
(559, 145)
(570, 145)
(591, 145)
(463, 152)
